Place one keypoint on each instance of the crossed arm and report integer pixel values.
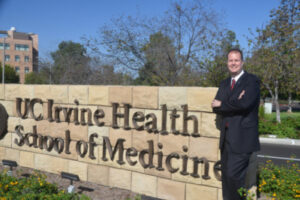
(243, 102)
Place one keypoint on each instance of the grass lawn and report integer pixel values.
(283, 115)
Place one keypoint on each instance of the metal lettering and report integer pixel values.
(19, 105)
(31, 109)
(112, 152)
(97, 115)
(138, 117)
(131, 152)
(151, 126)
(169, 164)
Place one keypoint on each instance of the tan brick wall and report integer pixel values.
(149, 181)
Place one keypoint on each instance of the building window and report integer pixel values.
(17, 69)
(7, 46)
(17, 58)
(7, 58)
(26, 59)
(26, 70)
(21, 47)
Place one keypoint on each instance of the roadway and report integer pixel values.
(279, 153)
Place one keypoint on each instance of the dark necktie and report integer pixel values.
(232, 84)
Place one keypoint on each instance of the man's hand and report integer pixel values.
(216, 103)
(241, 95)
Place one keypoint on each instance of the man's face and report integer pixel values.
(234, 63)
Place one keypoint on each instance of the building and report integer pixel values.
(21, 51)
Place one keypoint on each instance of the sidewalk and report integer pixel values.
(284, 141)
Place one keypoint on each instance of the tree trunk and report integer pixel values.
(290, 103)
(277, 103)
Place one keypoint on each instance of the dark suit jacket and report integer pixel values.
(240, 115)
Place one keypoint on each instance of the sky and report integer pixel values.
(58, 20)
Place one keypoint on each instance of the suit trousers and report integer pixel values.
(234, 170)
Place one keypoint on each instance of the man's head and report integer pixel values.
(235, 61)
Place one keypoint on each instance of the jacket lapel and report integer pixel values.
(239, 82)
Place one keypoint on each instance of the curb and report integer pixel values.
(284, 141)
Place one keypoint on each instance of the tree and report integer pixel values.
(216, 68)
(275, 51)
(71, 64)
(10, 75)
(34, 78)
(164, 47)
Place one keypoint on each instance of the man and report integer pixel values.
(237, 101)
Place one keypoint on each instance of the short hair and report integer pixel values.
(236, 50)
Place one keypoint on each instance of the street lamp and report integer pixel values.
(3, 62)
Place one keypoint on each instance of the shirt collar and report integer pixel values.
(236, 78)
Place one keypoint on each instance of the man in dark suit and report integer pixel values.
(237, 101)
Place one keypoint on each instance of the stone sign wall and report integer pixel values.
(157, 141)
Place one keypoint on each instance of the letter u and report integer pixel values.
(19, 107)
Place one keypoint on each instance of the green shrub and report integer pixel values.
(33, 187)
(289, 127)
(261, 112)
(280, 182)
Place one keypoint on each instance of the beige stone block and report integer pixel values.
(173, 97)
(28, 124)
(220, 196)
(80, 93)
(59, 93)
(100, 131)
(42, 92)
(59, 129)
(26, 91)
(163, 173)
(50, 163)
(6, 141)
(204, 147)
(145, 97)
(12, 123)
(115, 134)
(144, 184)
(44, 127)
(120, 94)
(200, 98)
(140, 138)
(168, 189)
(78, 168)
(98, 174)
(2, 152)
(120, 178)
(193, 192)
(210, 125)
(12, 154)
(2, 91)
(212, 181)
(173, 143)
(98, 95)
(9, 106)
(78, 132)
(27, 159)
(12, 91)
(190, 168)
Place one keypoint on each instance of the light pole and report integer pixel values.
(3, 61)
